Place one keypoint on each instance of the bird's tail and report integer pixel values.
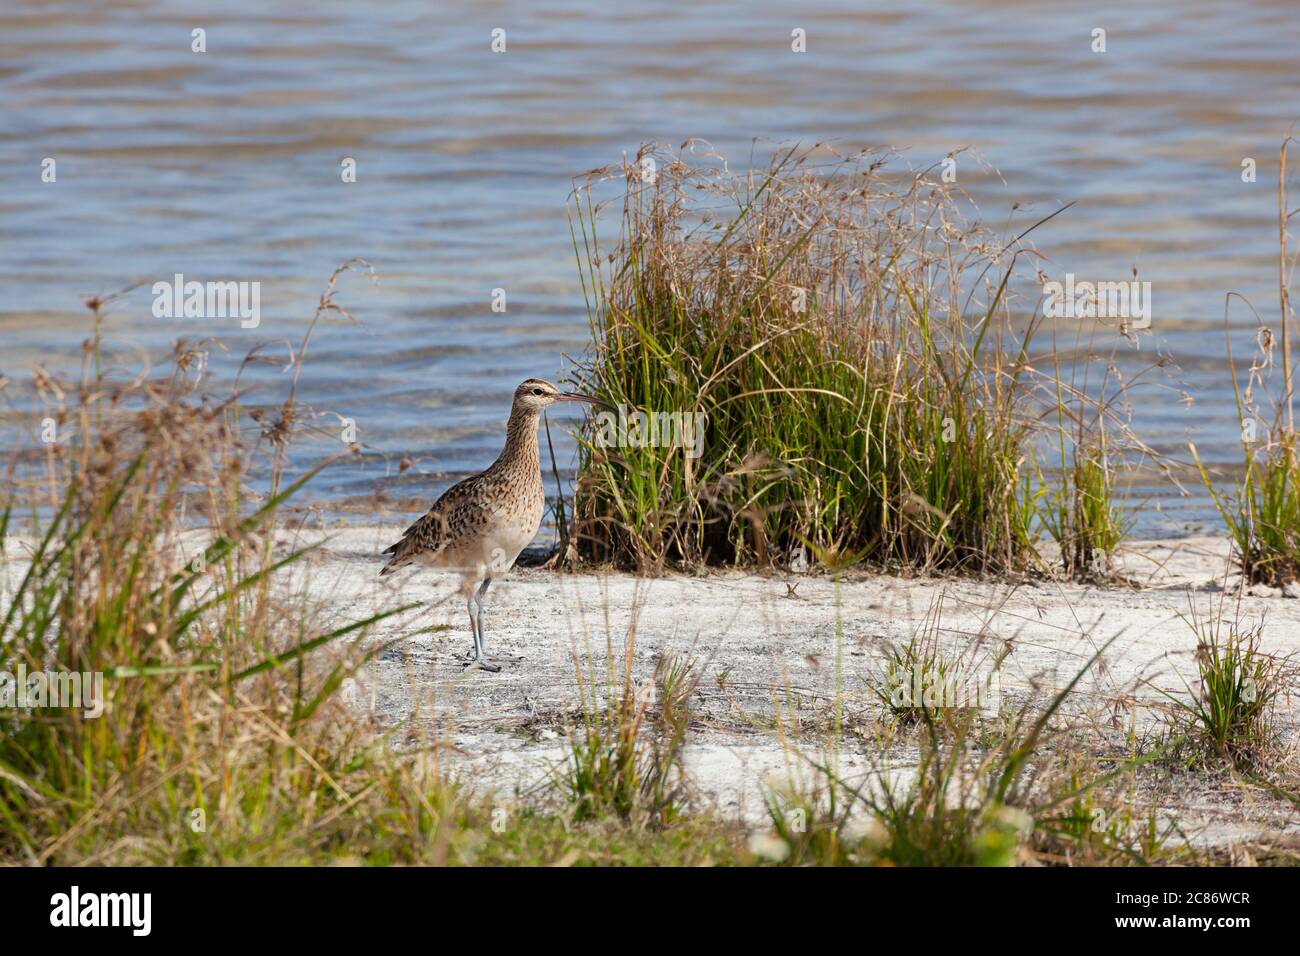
(400, 556)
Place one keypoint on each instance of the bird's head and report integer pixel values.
(535, 394)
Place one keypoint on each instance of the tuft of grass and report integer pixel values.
(1081, 516)
(919, 666)
(1263, 517)
(920, 682)
(624, 762)
(844, 332)
(1078, 461)
(1229, 717)
(1263, 513)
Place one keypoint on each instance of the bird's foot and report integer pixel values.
(482, 664)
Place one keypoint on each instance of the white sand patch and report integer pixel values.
(799, 643)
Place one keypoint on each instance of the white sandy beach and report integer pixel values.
(764, 640)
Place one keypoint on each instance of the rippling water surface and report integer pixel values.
(226, 165)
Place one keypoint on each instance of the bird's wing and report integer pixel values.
(436, 528)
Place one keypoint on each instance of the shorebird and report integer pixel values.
(479, 525)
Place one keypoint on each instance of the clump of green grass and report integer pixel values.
(845, 334)
(921, 682)
(1228, 717)
(1263, 513)
(624, 762)
(1079, 459)
(1263, 517)
(911, 670)
(1080, 514)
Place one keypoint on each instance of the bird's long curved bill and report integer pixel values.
(575, 397)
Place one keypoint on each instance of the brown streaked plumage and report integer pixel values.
(479, 525)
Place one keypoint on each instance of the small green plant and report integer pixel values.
(910, 673)
(1092, 827)
(1077, 498)
(625, 760)
(1081, 516)
(1228, 716)
(921, 682)
(1263, 518)
(1263, 513)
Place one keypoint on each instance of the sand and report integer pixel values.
(789, 641)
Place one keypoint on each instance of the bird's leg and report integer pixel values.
(479, 659)
(473, 627)
(482, 610)
(480, 599)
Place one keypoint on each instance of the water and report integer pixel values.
(226, 166)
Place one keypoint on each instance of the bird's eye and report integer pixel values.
(537, 391)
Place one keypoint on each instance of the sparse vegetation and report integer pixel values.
(625, 760)
(1263, 513)
(975, 795)
(1093, 826)
(1228, 716)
